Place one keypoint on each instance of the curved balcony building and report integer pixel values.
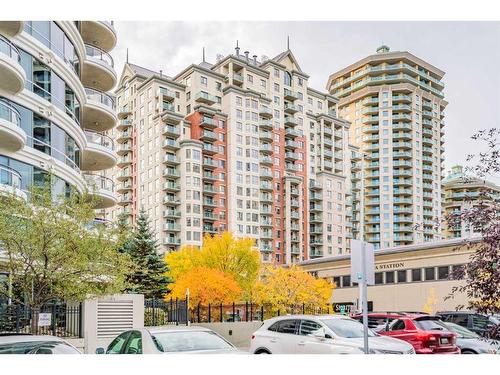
(54, 106)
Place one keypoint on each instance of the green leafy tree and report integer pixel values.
(52, 250)
(149, 273)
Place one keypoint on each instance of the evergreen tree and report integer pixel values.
(148, 276)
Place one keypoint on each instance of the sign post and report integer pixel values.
(363, 273)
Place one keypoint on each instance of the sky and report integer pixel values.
(469, 53)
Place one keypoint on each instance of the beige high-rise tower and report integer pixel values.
(395, 103)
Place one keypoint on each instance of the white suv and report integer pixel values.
(321, 334)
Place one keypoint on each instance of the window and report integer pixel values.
(134, 343)
(203, 80)
(308, 327)
(430, 274)
(416, 274)
(402, 276)
(346, 281)
(250, 78)
(397, 325)
(389, 277)
(379, 278)
(287, 79)
(116, 346)
(443, 273)
(286, 326)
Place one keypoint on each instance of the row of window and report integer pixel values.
(404, 276)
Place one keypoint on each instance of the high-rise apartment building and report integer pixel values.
(242, 145)
(462, 192)
(395, 104)
(54, 108)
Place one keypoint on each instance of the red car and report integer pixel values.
(426, 333)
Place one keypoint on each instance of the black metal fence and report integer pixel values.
(159, 312)
(60, 320)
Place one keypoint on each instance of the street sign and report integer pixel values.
(357, 264)
(44, 319)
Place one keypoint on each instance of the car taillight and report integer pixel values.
(427, 339)
(253, 336)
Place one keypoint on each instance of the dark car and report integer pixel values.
(483, 325)
(427, 334)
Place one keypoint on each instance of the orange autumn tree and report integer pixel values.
(283, 287)
(206, 285)
(235, 258)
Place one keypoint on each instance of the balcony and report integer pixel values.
(266, 160)
(315, 196)
(11, 182)
(207, 135)
(171, 213)
(171, 200)
(124, 187)
(99, 33)
(102, 189)
(98, 111)
(124, 148)
(402, 154)
(171, 173)
(11, 28)
(265, 112)
(266, 198)
(402, 117)
(238, 78)
(266, 186)
(209, 228)
(171, 144)
(124, 174)
(171, 186)
(209, 216)
(209, 176)
(209, 163)
(208, 122)
(11, 71)
(98, 69)
(289, 144)
(12, 136)
(209, 190)
(316, 208)
(266, 148)
(99, 154)
(291, 121)
(370, 129)
(266, 174)
(172, 131)
(166, 94)
(171, 227)
(291, 156)
(266, 136)
(175, 241)
(291, 108)
(209, 202)
(315, 185)
(205, 98)
(170, 159)
(292, 133)
(290, 95)
(401, 98)
(266, 124)
(209, 149)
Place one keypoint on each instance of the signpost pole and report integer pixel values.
(364, 299)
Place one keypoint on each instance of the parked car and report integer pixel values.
(178, 340)
(378, 321)
(426, 333)
(320, 334)
(483, 325)
(470, 342)
(31, 344)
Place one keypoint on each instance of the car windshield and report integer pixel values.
(346, 328)
(462, 332)
(184, 341)
(37, 347)
(427, 324)
(494, 320)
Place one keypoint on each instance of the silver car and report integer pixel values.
(35, 344)
(470, 342)
(321, 334)
(175, 340)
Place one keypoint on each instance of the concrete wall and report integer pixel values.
(238, 333)
(107, 317)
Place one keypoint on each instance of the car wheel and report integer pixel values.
(262, 351)
(468, 352)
